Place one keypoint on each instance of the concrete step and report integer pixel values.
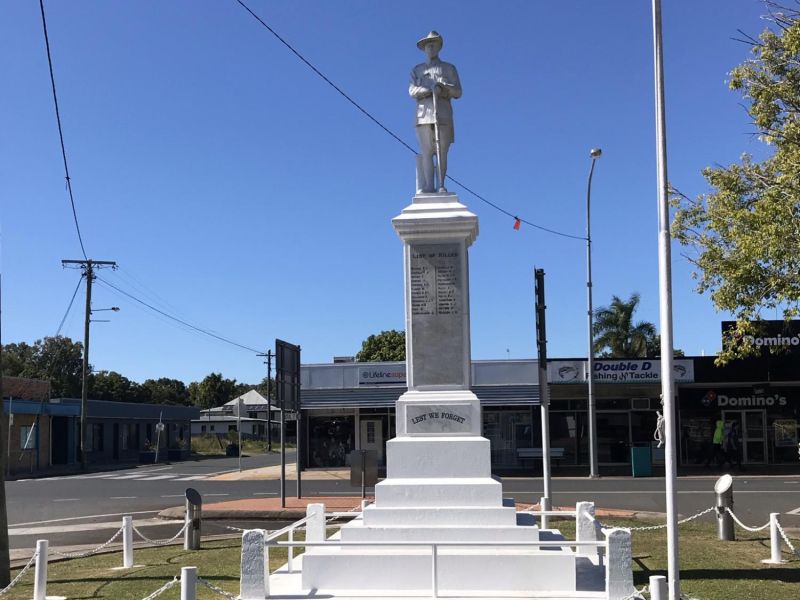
(454, 491)
(465, 516)
(357, 532)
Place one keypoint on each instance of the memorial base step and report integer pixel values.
(459, 570)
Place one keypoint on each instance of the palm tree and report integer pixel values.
(616, 335)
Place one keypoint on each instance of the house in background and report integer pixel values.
(256, 415)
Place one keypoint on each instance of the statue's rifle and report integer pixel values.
(436, 138)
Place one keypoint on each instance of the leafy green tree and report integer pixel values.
(110, 385)
(166, 391)
(386, 346)
(213, 391)
(615, 333)
(745, 233)
(58, 360)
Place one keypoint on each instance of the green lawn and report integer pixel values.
(212, 445)
(711, 570)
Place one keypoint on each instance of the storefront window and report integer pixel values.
(330, 440)
(613, 437)
(507, 431)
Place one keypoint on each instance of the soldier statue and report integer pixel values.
(433, 84)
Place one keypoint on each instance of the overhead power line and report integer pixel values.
(69, 306)
(176, 319)
(61, 131)
(386, 129)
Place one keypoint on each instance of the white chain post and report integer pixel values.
(127, 542)
(774, 542)
(315, 526)
(619, 569)
(585, 530)
(254, 576)
(189, 583)
(40, 577)
(658, 587)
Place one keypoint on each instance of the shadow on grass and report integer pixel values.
(788, 574)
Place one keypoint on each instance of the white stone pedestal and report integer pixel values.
(439, 486)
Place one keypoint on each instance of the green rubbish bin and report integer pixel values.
(641, 461)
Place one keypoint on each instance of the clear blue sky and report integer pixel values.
(238, 191)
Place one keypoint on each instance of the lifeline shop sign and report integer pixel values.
(617, 371)
(382, 375)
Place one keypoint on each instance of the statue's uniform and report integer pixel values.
(423, 78)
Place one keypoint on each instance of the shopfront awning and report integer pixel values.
(385, 397)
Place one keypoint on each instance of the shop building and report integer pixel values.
(348, 406)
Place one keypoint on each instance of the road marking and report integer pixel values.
(796, 511)
(122, 498)
(65, 499)
(134, 476)
(174, 496)
(141, 512)
(791, 482)
(192, 478)
(88, 527)
(264, 494)
(156, 477)
(215, 495)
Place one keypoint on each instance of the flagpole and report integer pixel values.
(665, 312)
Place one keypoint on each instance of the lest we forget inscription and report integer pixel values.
(436, 283)
(439, 418)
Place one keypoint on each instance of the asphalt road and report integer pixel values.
(87, 509)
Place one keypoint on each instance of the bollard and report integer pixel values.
(40, 579)
(127, 542)
(189, 583)
(315, 526)
(619, 569)
(194, 511)
(585, 530)
(544, 505)
(658, 587)
(364, 505)
(775, 557)
(254, 576)
(723, 488)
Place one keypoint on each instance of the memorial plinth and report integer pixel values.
(439, 486)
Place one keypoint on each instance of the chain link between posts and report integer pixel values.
(637, 594)
(160, 542)
(664, 526)
(162, 589)
(221, 526)
(216, 589)
(101, 547)
(786, 539)
(742, 525)
(16, 579)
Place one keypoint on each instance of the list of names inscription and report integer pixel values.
(435, 276)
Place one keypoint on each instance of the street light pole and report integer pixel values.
(593, 471)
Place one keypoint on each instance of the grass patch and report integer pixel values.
(710, 570)
(214, 445)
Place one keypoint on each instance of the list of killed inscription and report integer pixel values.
(434, 280)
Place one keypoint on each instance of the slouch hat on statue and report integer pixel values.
(433, 36)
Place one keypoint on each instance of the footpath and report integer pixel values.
(295, 508)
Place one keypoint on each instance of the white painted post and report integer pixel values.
(544, 504)
(290, 553)
(40, 579)
(585, 530)
(619, 570)
(127, 542)
(364, 504)
(775, 557)
(315, 526)
(188, 583)
(254, 582)
(658, 587)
